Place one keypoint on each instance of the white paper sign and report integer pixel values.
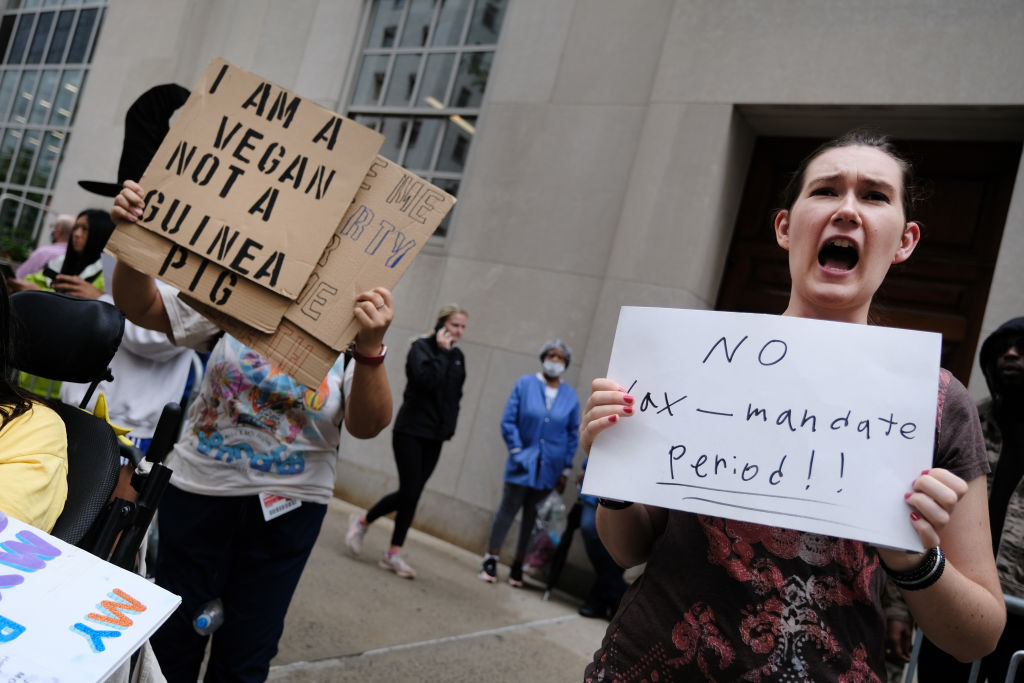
(790, 422)
(66, 615)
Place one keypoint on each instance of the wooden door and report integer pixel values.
(942, 288)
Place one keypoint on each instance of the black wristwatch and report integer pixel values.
(613, 504)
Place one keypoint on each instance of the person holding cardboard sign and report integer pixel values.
(728, 600)
(253, 473)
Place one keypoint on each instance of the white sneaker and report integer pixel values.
(356, 532)
(398, 565)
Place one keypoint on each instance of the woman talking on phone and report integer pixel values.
(435, 371)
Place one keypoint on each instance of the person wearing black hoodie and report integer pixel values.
(435, 371)
(1002, 421)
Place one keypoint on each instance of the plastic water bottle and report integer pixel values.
(209, 618)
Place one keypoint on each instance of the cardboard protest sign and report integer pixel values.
(391, 218)
(253, 178)
(804, 424)
(66, 615)
(227, 292)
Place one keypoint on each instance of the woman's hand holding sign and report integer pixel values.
(627, 532)
(608, 403)
(128, 204)
(932, 498)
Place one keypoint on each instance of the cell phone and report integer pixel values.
(439, 325)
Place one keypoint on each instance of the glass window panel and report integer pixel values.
(371, 80)
(451, 21)
(7, 149)
(486, 22)
(99, 23)
(474, 68)
(67, 98)
(27, 219)
(403, 80)
(435, 79)
(417, 23)
(44, 97)
(21, 36)
(42, 34)
(24, 96)
(451, 186)
(80, 41)
(384, 27)
(422, 139)
(9, 209)
(26, 155)
(13, 4)
(60, 37)
(30, 3)
(51, 3)
(393, 129)
(455, 147)
(47, 164)
(7, 86)
(371, 122)
(6, 29)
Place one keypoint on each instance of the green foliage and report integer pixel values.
(15, 245)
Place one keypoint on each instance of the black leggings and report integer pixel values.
(416, 458)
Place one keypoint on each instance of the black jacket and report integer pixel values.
(433, 389)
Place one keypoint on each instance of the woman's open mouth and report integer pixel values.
(839, 254)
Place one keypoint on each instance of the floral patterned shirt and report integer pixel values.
(722, 600)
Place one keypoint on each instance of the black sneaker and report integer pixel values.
(515, 575)
(489, 570)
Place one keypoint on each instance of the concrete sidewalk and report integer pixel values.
(353, 621)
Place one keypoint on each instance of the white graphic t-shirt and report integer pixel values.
(253, 428)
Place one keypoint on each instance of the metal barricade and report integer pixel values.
(1013, 606)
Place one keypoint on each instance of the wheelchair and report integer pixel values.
(71, 339)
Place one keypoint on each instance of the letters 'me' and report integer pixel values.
(415, 198)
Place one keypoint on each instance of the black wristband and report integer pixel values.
(613, 504)
(921, 576)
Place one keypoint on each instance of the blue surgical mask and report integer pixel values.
(553, 369)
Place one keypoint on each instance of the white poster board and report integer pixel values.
(804, 424)
(66, 615)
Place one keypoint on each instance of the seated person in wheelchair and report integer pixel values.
(33, 445)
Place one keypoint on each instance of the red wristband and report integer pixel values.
(369, 360)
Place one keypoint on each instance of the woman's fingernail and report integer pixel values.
(906, 495)
(613, 418)
(627, 398)
(925, 471)
(914, 516)
(627, 410)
